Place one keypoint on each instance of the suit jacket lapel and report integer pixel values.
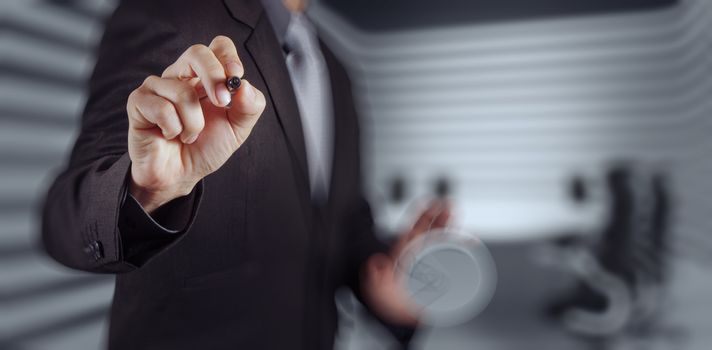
(263, 47)
(245, 11)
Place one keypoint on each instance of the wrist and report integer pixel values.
(153, 198)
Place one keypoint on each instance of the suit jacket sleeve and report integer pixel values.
(88, 223)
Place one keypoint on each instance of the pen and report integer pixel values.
(232, 83)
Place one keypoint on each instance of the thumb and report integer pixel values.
(247, 105)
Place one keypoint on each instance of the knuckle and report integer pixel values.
(135, 100)
(215, 70)
(132, 98)
(186, 94)
(168, 70)
(197, 49)
(165, 111)
(151, 79)
(228, 57)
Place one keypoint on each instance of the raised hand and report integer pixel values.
(180, 126)
(383, 285)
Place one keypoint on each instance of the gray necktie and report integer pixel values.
(310, 79)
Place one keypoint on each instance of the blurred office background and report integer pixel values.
(572, 137)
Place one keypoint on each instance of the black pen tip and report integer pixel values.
(233, 83)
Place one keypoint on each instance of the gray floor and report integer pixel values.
(514, 319)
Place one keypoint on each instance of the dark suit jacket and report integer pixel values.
(255, 264)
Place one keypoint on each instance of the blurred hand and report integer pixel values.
(180, 129)
(383, 286)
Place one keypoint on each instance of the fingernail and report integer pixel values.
(190, 139)
(169, 135)
(222, 94)
(234, 69)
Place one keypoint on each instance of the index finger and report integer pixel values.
(199, 61)
(226, 52)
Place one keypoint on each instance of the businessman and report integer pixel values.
(230, 219)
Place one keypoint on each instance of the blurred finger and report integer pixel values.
(425, 220)
(442, 218)
(436, 216)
